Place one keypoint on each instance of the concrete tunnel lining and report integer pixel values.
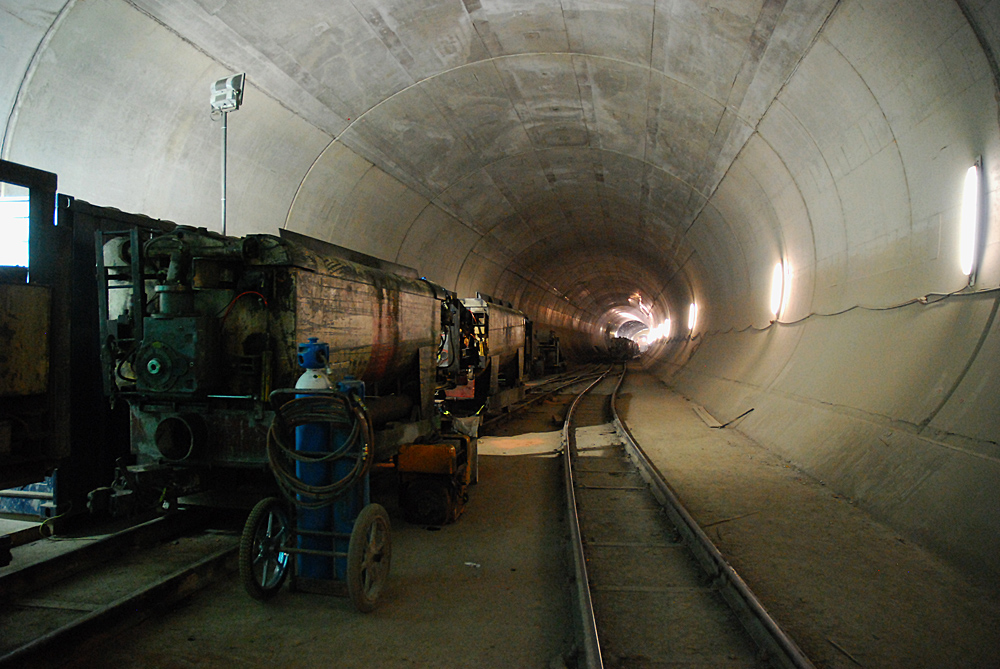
(566, 158)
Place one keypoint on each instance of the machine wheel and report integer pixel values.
(427, 501)
(368, 557)
(263, 562)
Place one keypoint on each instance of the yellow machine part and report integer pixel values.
(427, 459)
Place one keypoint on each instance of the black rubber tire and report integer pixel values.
(427, 501)
(263, 565)
(368, 557)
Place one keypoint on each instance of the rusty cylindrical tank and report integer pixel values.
(218, 352)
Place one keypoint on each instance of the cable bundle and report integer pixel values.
(336, 410)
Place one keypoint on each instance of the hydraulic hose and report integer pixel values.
(341, 414)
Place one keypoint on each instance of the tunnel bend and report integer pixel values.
(703, 142)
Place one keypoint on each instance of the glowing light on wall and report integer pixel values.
(636, 300)
(777, 288)
(661, 331)
(692, 316)
(970, 221)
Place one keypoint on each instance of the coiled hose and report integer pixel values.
(340, 413)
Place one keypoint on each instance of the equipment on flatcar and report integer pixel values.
(550, 358)
(501, 336)
(623, 349)
(197, 329)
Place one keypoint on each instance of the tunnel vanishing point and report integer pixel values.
(602, 163)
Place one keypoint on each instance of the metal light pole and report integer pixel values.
(227, 96)
(225, 119)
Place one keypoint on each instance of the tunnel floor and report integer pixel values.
(849, 590)
(491, 590)
(487, 591)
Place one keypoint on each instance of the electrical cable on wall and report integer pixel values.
(923, 299)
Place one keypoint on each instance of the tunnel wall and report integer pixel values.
(118, 107)
(852, 175)
(116, 104)
(861, 161)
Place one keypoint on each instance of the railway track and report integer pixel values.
(50, 607)
(651, 594)
(539, 392)
(651, 589)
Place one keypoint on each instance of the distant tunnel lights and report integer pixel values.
(692, 316)
(970, 221)
(661, 331)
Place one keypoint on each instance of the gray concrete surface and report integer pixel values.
(851, 591)
(488, 591)
(566, 156)
(492, 589)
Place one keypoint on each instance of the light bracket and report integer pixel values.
(227, 93)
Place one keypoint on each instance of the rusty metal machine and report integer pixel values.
(197, 329)
(550, 358)
(434, 478)
(623, 349)
(501, 337)
(194, 332)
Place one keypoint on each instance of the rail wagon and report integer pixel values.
(199, 329)
(501, 335)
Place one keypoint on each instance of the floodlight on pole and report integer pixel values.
(227, 96)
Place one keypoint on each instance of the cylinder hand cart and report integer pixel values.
(324, 534)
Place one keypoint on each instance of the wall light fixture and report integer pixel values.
(969, 231)
(777, 288)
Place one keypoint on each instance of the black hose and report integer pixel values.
(340, 413)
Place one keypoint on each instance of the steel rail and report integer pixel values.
(568, 378)
(758, 623)
(589, 641)
(53, 648)
(539, 395)
(40, 574)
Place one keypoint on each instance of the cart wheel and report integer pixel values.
(263, 562)
(368, 556)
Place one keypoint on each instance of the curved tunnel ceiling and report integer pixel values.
(575, 166)
(572, 149)
(563, 157)
(552, 156)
